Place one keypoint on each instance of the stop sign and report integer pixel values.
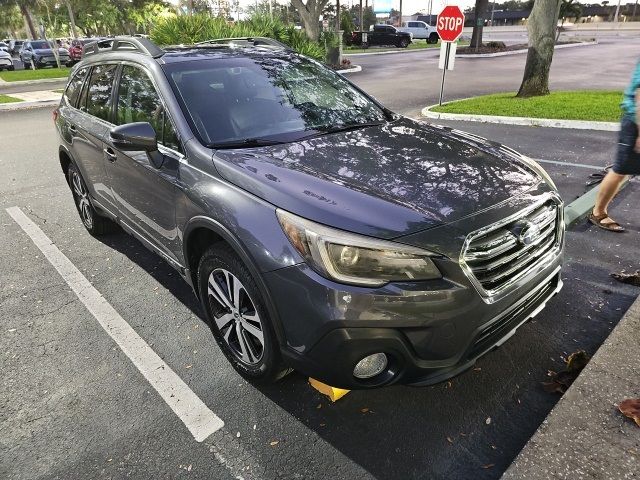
(450, 23)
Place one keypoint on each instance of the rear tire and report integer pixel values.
(95, 223)
(236, 313)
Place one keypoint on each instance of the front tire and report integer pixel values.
(433, 38)
(236, 313)
(95, 224)
(404, 43)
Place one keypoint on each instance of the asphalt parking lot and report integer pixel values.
(72, 400)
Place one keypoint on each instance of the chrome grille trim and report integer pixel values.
(494, 260)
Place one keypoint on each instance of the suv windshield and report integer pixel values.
(261, 99)
(40, 45)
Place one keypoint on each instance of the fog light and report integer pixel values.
(370, 366)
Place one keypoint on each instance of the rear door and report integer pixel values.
(91, 127)
(145, 194)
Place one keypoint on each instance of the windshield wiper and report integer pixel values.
(348, 127)
(246, 143)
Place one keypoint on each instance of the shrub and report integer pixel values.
(189, 29)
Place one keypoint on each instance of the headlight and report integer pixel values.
(356, 259)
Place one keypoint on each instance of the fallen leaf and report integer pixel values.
(562, 380)
(477, 369)
(450, 440)
(631, 408)
(319, 406)
(364, 410)
(488, 465)
(630, 278)
(488, 421)
(188, 366)
(275, 442)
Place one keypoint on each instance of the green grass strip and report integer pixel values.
(416, 45)
(8, 99)
(593, 105)
(28, 74)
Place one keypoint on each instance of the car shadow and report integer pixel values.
(472, 426)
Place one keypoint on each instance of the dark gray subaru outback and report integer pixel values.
(319, 230)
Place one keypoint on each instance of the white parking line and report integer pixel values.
(570, 164)
(196, 416)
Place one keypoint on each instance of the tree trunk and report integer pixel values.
(480, 14)
(27, 18)
(72, 19)
(310, 15)
(337, 16)
(541, 28)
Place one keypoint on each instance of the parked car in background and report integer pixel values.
(380, 35)
(421, 30)
(6, 61)
(4, 47)
(40, 54)
(319, 230)
(75, 50)
(15, 46)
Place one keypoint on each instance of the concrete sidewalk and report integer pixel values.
(585, 436)
(43, 98)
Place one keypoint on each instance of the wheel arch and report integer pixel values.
(199, 233)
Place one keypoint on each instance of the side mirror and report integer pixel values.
(139, 136)
(135, 137)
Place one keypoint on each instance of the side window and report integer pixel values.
(138, 101)
(72, 92)
(414, 24)
(100, 91)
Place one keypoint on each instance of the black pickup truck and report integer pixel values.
(384, 35)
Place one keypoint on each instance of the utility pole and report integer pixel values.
(634, 11)
(337, 16)
(615, 19)
(400, 15)
(361, 25)
(430, 10)
(493, 9)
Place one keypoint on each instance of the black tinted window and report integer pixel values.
(72, 91)
(260, 96)
(138, 101)
(100, 90)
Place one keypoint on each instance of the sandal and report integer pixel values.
(599, 221)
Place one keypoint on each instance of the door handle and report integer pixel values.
(110, 154)
(72, 128)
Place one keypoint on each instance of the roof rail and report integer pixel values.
(255, 41)
(136, 44)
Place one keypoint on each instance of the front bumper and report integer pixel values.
(428, 335)
(6, 62)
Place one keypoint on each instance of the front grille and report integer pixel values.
(498, 256)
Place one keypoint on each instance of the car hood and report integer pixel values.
(383, 181)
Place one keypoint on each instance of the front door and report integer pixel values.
(145, 194)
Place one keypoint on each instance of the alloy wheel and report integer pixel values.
(236, 316)
(82, 200)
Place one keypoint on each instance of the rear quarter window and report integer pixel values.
(72, 92)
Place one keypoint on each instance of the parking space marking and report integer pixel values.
(569, 164)
(196, 416)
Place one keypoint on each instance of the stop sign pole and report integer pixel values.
(449, 25)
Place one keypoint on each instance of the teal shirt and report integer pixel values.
(629, 99)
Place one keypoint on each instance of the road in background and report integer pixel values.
(408, 82)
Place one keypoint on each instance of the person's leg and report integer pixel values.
(608, 188)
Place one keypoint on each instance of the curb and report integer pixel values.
(518, 52)
(526, 121)
(354, 69)
(27, 105)
(585, 436)
(388, 52)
